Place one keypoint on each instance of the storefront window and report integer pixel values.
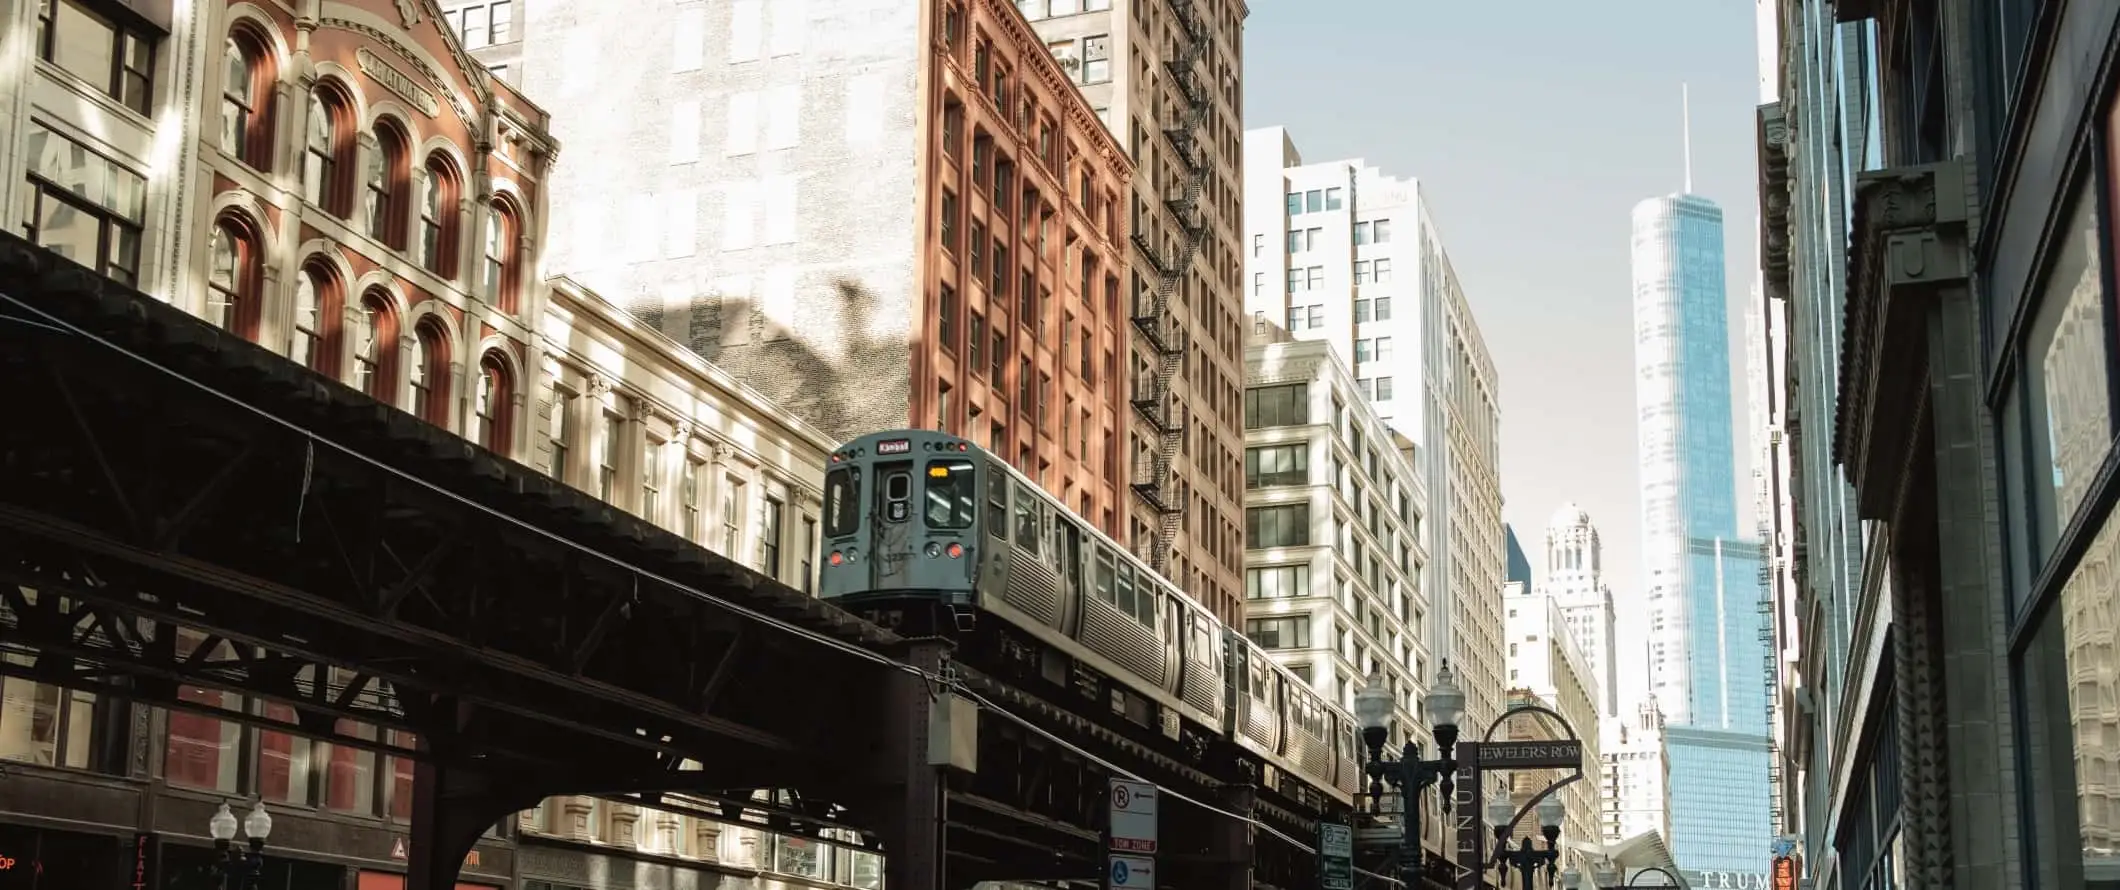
(801, 857)
(349, 772)
(44, 724)
(2069, 682)
(284, 774)
(203, 751)
(2067, 368)
(401, 776)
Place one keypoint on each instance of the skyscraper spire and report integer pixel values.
(1685, 129)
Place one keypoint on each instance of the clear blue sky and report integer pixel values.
(1535, 127)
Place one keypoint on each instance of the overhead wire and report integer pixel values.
(57, 324)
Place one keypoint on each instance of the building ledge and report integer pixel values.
(1773, 143)
(1908, 244)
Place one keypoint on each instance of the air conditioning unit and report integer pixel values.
(1067, 60)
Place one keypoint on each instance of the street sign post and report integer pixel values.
(1133, 817)
(1129, 872)
(1335, 857)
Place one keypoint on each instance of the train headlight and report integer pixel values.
(956, 550)
(933, 549)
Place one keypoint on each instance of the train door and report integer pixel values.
(894, 523)
(1071, 587)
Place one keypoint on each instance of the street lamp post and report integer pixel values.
(1410, 774)
(234, 868)
(1526, 858)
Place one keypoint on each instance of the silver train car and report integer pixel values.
(920, 520)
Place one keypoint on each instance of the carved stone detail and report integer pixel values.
(597, 387)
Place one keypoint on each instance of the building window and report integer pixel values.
(1276, 582)
(430, 373)
(316, 318)
(1286, 404)
(946, 319)
(1097, 58)
(1380, 270)
(83, 206)
(561, 435)
(651, 483)
(1290, 632)
(607, 457)
(688, 496)
(1382, 305)
(490, 405)
(482, 24)
(732, 499)
(232, 278)
(438, 197)
(1284, 525)
(384, 184)
(375, 347)
(809, 555)
(497, 273)
(1275, 465)
(326, 146)
(202, 751)
(1383, 389)
(975, 343)
(769, 528)
(947, 228)
(246, 98)
(45, 725)
(116, 59)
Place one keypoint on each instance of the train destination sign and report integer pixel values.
(1133, 822)
(894, 446)
(1531, 755)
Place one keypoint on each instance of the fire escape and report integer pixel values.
(1770, 617)
(1166, 336)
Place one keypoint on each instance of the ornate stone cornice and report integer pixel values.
(1034, 54)
(1909, 244)
(1773, 135)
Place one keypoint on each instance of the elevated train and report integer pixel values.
(923, 526)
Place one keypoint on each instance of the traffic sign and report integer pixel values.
(1133, 821)
(1131, 872)
(1335, 857)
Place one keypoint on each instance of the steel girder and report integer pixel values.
(158, 472)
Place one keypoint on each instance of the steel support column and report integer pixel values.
(912, 838)
(1233, 837)
(452, 806)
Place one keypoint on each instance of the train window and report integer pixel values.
(1150, 602)
(951, 493)
(842, 501)
(1027, 525)
(897, 495)
(1127, 600)
(996, 502)
(1107, 577)
(1203, 642)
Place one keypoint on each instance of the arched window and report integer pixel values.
(430, 373)
(385, 184)
(490, 420)
(497, 274)
(327, 149)
(316, 319)
(232, 277)
(375, 347)
(438, 197)
(246, 99)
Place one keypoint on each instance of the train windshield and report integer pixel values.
(952, 498)
(842, 501)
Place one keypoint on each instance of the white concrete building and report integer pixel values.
(1350, 256)
(1575, 579)
(1635, 775)
(1545, 663)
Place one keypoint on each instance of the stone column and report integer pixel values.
(367, 153)
(574, 818)
(706, 839)
(625, 826)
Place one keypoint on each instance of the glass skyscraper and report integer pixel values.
(1702, 578)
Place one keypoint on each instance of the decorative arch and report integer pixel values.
(251, 207)
(379, 315)
(433, 347)
(316, 335)
(253, 60)
(436, 219)
(497, 396)
(329, 141)
(235, 272)
(388, 287)
(442, 145)
(381, 110)
(386, 186)
(348, 80)
(500, 257)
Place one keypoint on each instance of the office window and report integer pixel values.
(1295, 281)
(1288, 632)
(84, 206)
(607, 459)
(975, 343)
(1364, 351)
(1332, 198)
(769, 528)
(1383, 349)
(1362, 310)
(1383, 308)
(948, 226)
(1276, 582)
(483, 24)
(1286, 404)
(1316, 313)
(1380, 232)
(1383, 389)
(1295, 204)
(732, 499)
(651, 480)
(116, 60)
(1283, 525)
(689, 495)
(946, 319)
(1096, 59)
(1380, 269)
(1361, 271)
(1272, 465)
(1361, 233)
